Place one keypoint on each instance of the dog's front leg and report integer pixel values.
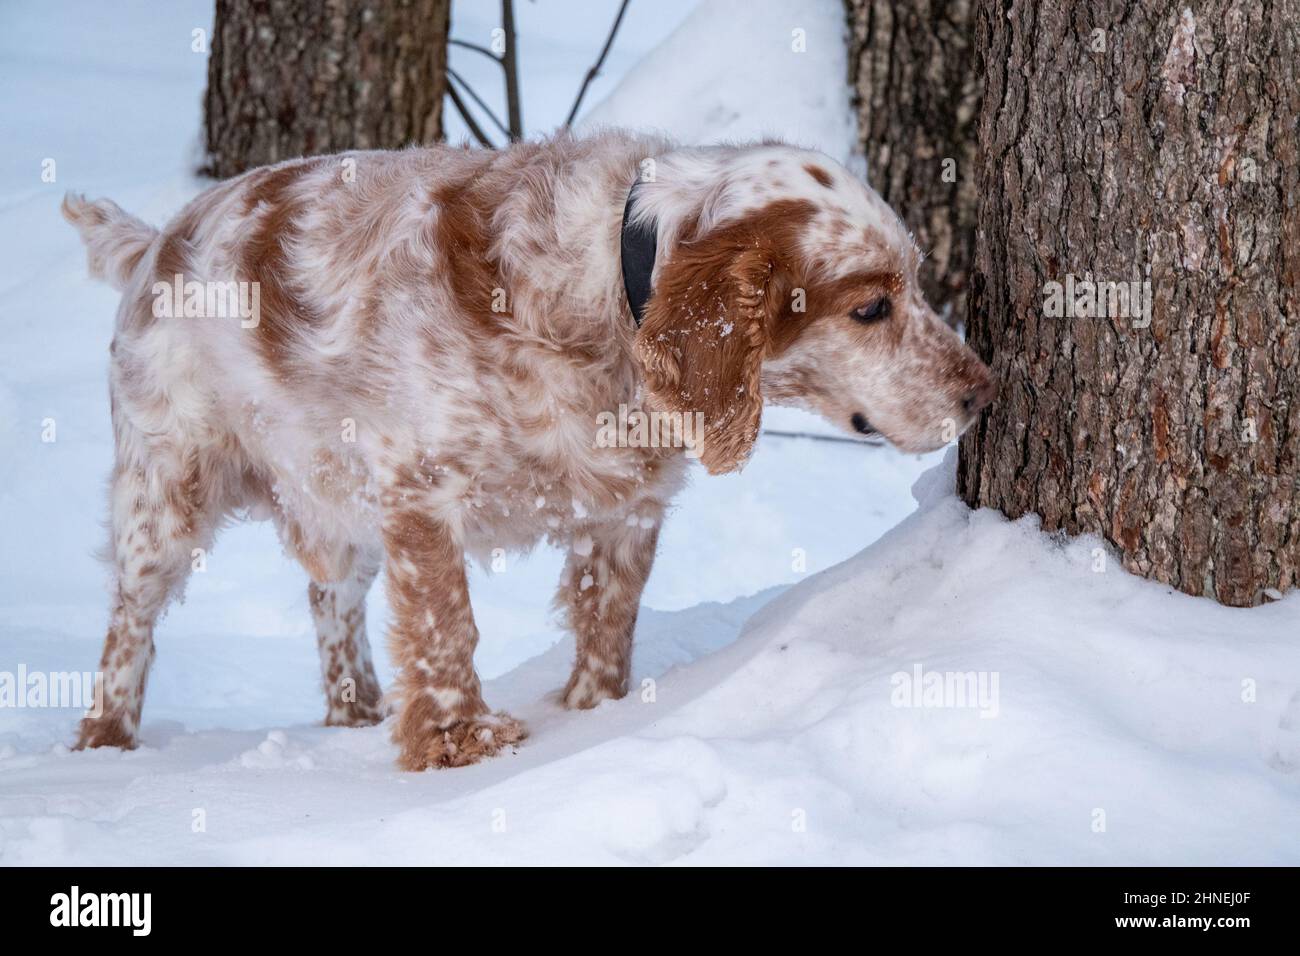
(443, 720)
(600, 594)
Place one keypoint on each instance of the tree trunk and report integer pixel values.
(1154, 140)
(290, 79)
(917, 96)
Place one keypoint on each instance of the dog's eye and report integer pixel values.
(873, 311)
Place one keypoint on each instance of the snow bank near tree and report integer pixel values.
(740, 70)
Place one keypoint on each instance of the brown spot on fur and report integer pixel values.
(174, 251)
(819, 174)
(264, 259)
(320, 598)
(462, 235)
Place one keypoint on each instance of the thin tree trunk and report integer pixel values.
(917, 95)
(292, 79)
(510, 63)
(1157, 141)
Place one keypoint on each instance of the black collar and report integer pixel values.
(637, 250)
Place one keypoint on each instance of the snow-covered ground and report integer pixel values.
(1108, 720)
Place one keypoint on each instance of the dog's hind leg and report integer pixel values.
(352, 694)
(160, 513)
(600, 594)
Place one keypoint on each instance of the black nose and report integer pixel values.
(977, 399)
(861, 425)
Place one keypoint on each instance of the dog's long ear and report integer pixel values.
(702, 342)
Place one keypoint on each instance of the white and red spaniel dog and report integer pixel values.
(434, 335)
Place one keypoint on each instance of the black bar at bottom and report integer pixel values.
(339, 905)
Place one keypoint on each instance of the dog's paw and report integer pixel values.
(353, 716)
(107, 730)
(356, 713)
(463, 743)
(586, 689)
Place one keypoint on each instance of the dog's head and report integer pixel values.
(784, 278)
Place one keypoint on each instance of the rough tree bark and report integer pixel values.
(1157, 140)
(292, 79)
(917, 96)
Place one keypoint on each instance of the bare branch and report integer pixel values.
(474, 128)
(510, 63)
(815, 437)
(478, 49)
(600, 61)
(469, 90)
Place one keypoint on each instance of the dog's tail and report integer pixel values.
(115, 240)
